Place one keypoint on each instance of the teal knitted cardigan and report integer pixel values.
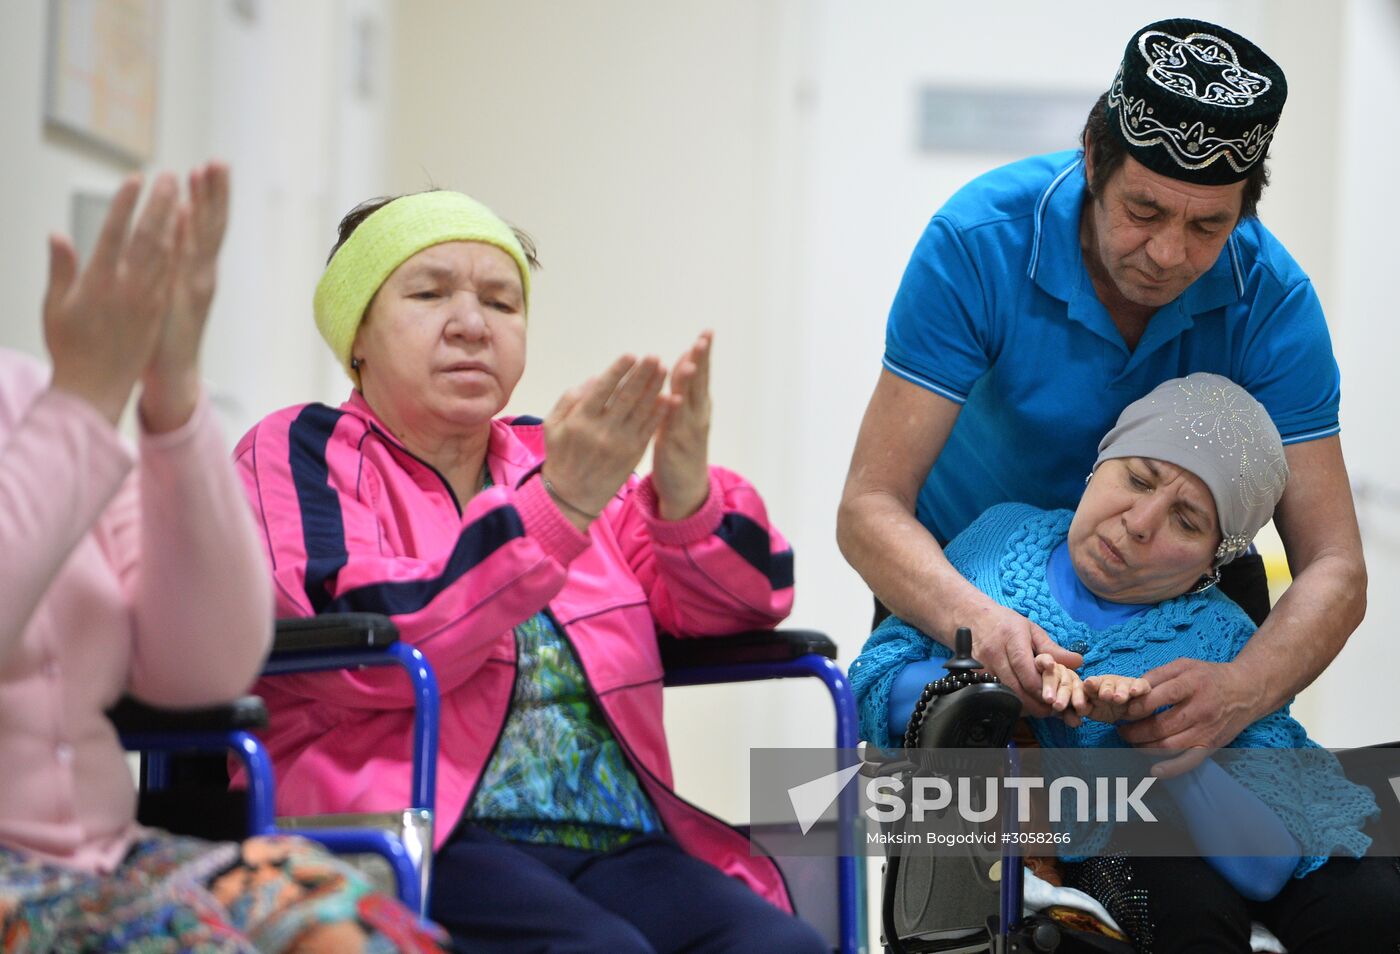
(1005, 554)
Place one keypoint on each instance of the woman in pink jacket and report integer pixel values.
(533, 569)
(142, 576)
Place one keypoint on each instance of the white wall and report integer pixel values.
(267, 87)
(297, 97)
(40, 170)
(629, 139)
(1355, 702)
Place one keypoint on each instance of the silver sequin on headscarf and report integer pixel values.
(1212, 427)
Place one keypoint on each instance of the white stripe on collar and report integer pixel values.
(1040, 215)
(1235, 262)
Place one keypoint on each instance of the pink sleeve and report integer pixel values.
(201, 597)
(60, 466)
(721, 570)
(508, 558)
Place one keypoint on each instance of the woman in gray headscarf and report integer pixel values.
(1183, 482)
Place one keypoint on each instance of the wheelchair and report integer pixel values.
(972, 903)
(186, 796)
(183, 779)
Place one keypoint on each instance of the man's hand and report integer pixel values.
(1208, 704)
(680, 458)
(1007, 644)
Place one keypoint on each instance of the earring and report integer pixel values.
(355, 364)
(1088, 477)
(1206, 582)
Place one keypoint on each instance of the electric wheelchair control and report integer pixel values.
(954, 903)
(966, 709)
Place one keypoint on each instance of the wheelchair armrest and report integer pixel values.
(336, 641)
(759, 645)
(131, 716)
(333, 632)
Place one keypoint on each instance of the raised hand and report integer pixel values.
(597, 433)
(101, 325)
(680, 461)
(170, 385)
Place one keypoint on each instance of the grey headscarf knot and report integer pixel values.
(1209, 425)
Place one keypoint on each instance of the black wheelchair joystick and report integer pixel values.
(962, 660)
(967, 708)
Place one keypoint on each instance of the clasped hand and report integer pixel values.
(1102, 698)
(596, 434)
(1187, 705)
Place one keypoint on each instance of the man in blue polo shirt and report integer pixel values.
(1046, 296)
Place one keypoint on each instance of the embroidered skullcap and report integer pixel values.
(1209, 425)
(1195, 101)
(387, 238)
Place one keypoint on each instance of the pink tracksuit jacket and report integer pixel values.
(354, 522)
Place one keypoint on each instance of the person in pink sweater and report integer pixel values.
(141, 575)
(533, 569)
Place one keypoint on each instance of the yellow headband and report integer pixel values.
(389, 237)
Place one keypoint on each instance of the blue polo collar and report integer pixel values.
(1057, 266)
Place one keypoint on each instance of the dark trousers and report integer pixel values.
(1182, 906)
(648, 896)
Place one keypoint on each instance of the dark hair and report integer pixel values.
(365, 209)
(1107, 150)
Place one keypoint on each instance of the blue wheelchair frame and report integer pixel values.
(315, 645)
(818, 662)
(353, 640)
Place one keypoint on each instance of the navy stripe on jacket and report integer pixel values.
(322, 524)
(323, 532)
(750, 540)
(478, 540)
